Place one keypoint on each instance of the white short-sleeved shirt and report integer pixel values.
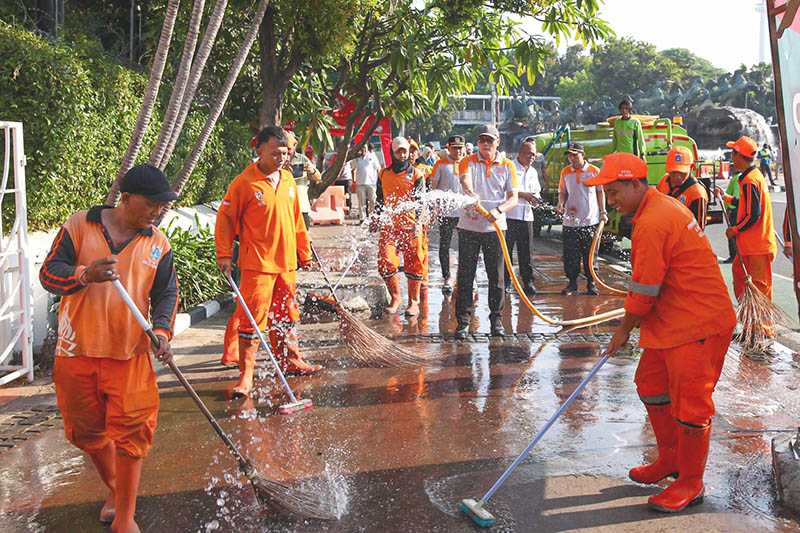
(366, 170)
(445, 173)
(581, 208)
(491, 181)
(528, 182)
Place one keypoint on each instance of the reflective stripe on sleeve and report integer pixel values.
(647, 290)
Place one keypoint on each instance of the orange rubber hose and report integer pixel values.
(592, 253)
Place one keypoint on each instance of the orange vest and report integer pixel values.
(676, 285)
(397, 188)
(267, 220)
(758, 239)
(94, 321)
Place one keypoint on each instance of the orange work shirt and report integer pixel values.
(93, 321)
(267, 220)
(397, 187)
(676, 285)
(755, 234)
(690, 193)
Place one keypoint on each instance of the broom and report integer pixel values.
(268, 492)
(366, 345)
(577, 323)
(756, 312)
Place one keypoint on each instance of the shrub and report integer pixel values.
(194, 253)
(78, 108)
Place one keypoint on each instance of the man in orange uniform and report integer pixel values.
(675, 282)
(105, 384)
(679, 184)
(262, 208)
(400, 235)
(753, 230)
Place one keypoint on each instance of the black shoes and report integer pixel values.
(571, 288)
(591, 290)
(461, 333)
(496, 329)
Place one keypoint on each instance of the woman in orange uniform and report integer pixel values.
(262, 208)
(675, 281)
(401, 235)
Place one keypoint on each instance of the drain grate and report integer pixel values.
(27, 424)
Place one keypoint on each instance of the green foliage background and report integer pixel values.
(78, 107)
(194, 254)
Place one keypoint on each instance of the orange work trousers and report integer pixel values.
(396, 241)
(105, 400)
(270, 298)
(684, 376)
(760, 269)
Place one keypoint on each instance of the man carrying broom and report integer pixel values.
(105, 384)
(675, 282)
(753, 229)
(262, 208)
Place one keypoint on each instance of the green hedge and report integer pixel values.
(78, 109)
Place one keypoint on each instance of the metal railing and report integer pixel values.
(16, 302)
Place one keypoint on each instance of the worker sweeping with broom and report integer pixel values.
(753, 229)
(680, 302)
(105, 384)
(262, 208)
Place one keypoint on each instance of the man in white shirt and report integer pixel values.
(582, 207)
(492, 181)
(444, 177)
(365, 169)
(520, 218)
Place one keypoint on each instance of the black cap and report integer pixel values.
(455, 140)
(575, 148)
(148, 181)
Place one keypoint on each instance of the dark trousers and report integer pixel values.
(577, 242)
(767, 171)
(519, 236)
(446, 227)
(732, 242)
(470, 245)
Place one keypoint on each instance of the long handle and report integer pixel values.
(728, 224)
(538, 437)
(324, 273)
(243, 462)
(264, 343)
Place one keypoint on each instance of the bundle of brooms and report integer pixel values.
(756, 313)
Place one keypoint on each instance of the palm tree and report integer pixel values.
(150, 95)
(181, 79)
(222, 97)
(198, 65)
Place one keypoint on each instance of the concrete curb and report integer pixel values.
(184, 321)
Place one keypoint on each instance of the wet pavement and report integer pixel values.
(400, 447)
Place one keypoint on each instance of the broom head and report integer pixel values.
(758, 317)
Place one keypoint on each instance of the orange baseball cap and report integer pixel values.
(744, 145)
(619, 166)
(679, 159)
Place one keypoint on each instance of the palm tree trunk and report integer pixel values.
(150, 95)
(222, 97)
(178, 91)
(198, 65)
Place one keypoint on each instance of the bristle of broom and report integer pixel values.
(372, 348)
(758, 317)
(294, 499)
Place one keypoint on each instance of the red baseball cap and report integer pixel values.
(744, 145)
(619, 166)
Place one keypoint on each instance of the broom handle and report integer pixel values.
(261, 337)
(510, 470)
(324, 273)
(243, 462)
(728, 224)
